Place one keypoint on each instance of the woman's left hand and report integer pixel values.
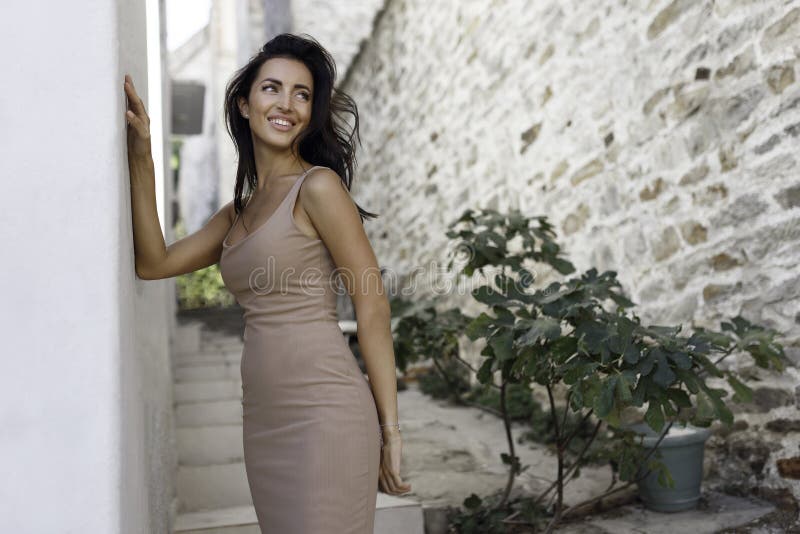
(389, 472)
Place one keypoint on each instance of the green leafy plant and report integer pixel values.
(577, 337)
(487, 515)
(203, 288)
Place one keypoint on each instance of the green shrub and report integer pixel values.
(578, 338)
(203, 288)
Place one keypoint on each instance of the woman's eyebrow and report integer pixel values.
(273, 80)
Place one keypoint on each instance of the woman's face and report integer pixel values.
(283, 89)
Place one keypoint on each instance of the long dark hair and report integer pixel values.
(324, 142)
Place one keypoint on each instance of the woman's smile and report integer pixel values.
(280, 125)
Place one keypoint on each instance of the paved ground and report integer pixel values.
(450, 452)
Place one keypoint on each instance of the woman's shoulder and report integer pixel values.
(230, 211)
(322, 180)
(316, 169)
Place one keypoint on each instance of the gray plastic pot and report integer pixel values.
(682, 452)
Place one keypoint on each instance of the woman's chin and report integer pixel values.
(276, 143)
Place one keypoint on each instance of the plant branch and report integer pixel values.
(572, 468)
(480, 407)
(560, 456)
(512, 466)
(566, 411)
(583, 506)
(578, 427)
(725, 355)
(652, 451)
(451, 385)
(554, 415)
(471, 368)
(646, 472)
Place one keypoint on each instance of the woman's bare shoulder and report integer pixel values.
(230, 211)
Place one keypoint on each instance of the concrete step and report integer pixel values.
(233, 520)
(187, 337)
(398, 515)
(193, 414)
(205, 358)
(207, 445)
(207, 371)
(393, 515)
(208, 390)
(210, 487)
(226, 344)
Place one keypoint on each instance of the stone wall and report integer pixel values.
(659, 137)
(341, 27)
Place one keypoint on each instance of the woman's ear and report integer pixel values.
(244, 109)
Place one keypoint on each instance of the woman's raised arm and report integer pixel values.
(154, 259)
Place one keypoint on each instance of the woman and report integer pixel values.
(318, 438)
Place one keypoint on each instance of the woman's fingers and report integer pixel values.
(384, 473)
(397, 482)
(136, 116)
(394, 465)
(388, 481)
(135, 102)
(389, 473)
(136, 123)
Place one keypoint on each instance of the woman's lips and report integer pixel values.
(280, 127)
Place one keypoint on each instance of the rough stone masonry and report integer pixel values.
(660, 137)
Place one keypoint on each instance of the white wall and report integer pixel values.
(199, 167)
(85, 402)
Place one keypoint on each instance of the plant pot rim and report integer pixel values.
(678, 436)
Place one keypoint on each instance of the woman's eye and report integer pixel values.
(306, 96)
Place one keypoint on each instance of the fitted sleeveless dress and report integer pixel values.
(310, 425)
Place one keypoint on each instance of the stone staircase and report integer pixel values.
(213, 495)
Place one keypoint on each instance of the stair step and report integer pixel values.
(208, 390)
(205, 413)
(207, 371)
(207, 445)
(215, 340)
(211, 347)
(209, 487)
(187, 337)
(233, 520)
(398, 515)
(207, 358)
(393, 515)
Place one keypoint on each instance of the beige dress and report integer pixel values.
(311, 432)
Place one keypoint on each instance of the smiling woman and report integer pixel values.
(319, 438)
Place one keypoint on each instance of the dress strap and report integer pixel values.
(302, 177)
(295, 191)
(228, 233)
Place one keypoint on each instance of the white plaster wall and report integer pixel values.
(85, 401)
(199, 167)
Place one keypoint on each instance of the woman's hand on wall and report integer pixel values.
(138, 122)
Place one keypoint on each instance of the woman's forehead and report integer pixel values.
(286, 70)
